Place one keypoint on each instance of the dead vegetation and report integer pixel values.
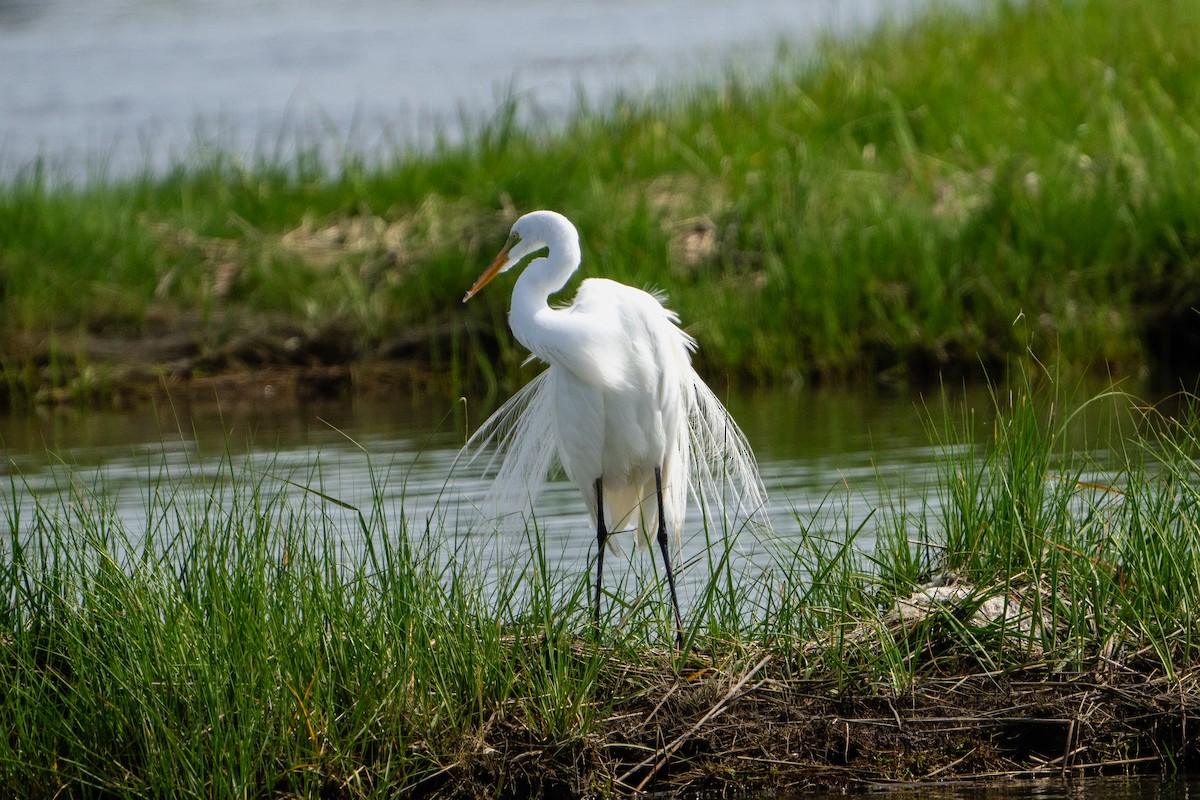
(760, 725)
(793, 718)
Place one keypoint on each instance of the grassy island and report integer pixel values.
(263, 639)
(931, 198)
(940, 198)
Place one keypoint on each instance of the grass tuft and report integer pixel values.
(936, 196)
(262, 637)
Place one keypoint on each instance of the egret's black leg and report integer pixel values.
(601, 540)
(666, 553)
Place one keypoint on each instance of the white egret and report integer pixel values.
(619, 406)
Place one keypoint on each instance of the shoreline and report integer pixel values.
(1040, 622)
(868, 216)
(752, 729)
(861, 214)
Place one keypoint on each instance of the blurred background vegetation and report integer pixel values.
(927, 200)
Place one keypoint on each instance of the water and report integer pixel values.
(829, 460)
(119, 85)
(838, 465)
(1098, 788)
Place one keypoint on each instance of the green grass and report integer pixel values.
(256, 638)
(933, 197)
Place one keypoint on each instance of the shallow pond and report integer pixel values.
(830, 461)
(1106, 788)
(124, 84)
(836, 464)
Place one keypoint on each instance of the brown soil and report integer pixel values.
(725, 733)
(789, 721)
(196, 359)
(709, 730)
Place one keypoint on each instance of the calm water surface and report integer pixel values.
(1112, 788)
(124, 84)
(834, 463)
(828, 459)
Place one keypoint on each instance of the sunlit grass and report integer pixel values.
(260, 637)
(935, 196)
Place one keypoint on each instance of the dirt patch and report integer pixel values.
(788, 720)
(712, 732)
(188, 356)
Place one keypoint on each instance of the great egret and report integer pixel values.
(620, 406)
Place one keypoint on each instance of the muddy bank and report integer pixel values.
(233, 359)
(934, 709)
(710, 730)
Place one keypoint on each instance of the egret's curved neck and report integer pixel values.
(542, 278)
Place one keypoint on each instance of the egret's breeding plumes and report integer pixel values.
(619, 407)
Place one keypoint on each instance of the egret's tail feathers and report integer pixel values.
(724, 475)
(515, 450)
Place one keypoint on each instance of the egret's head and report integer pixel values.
(532, 232)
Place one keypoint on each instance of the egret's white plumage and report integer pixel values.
(618, 401)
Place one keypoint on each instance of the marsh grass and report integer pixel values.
(935, 196)
(261, 637)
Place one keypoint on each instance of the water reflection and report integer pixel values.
(830, 460)
(1067, 788)
(125, 84)
(17, 12)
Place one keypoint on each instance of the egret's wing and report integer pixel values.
(515, 450)
(725, 480)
